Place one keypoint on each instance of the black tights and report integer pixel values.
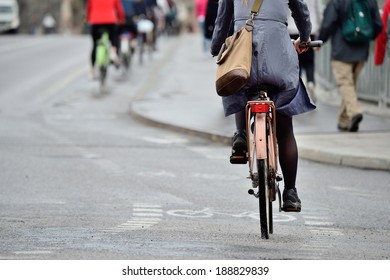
(287, 146)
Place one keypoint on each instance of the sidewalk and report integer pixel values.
(181, 96)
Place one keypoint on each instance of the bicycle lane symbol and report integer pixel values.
(208, 213)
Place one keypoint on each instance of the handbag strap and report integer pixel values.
(254, 11)
(256, 7)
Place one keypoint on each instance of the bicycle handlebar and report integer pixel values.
(312, 44)
(316, 43)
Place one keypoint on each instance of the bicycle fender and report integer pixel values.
(260, 136)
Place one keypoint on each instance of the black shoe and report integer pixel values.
(239, 148)
(291, 201)
(354, 125)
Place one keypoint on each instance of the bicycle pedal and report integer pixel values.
(238, 159)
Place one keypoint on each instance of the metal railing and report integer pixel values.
(373, 82)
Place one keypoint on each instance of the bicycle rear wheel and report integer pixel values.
(265, 205)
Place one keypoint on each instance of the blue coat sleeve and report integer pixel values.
(301, 15)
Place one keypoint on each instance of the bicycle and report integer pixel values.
(103, 57)
(145, 37)
(262, 154)
(126, 50)
(262, 157)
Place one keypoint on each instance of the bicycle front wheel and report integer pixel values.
(265, 205)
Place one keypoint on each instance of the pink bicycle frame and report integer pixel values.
(261, 109)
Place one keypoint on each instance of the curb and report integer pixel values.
(343, 160)
(188, 131)
(311, 154)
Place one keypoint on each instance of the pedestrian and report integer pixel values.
(347, 59)
(210, 16)
(200, 13)
(170, 17)
(274, 63)
(306, 59)
(104, 16)
(383, 40)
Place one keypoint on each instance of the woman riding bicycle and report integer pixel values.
(275, 65)
(104, 16)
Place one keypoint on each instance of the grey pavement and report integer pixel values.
(180, 95)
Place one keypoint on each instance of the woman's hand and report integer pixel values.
(301, 46)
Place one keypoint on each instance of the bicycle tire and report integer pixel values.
(265, 209)
(102, 75)
(270, 176)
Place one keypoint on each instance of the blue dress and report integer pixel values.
(274, 58)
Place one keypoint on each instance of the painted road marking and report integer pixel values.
(209, 212)
(147, 215)
(144, 216)
(321, 227)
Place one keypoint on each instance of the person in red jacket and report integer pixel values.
(381, 40)
(104, 15)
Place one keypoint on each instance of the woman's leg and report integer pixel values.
(288, 158)
(288, 150)
(114, 40)
(95, 34)
(240, 121)
(239, 141)
(113, 34)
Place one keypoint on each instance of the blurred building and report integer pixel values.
(69, 15)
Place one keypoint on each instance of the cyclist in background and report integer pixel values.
(104, 15)
(130, 24)
(151, 14)
(142, 11)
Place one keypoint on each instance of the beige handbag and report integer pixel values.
(235, 58)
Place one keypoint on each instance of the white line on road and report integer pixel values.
(148, 210)
(144, 216)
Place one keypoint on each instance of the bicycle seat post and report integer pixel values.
(263, 95)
